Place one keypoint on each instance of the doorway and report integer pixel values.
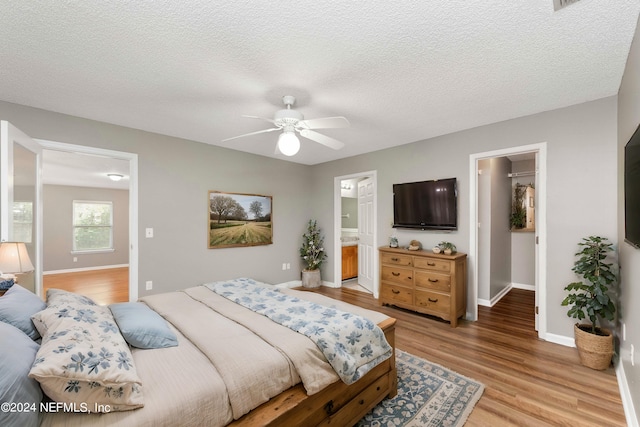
(357, 194)
(128, 162)
(480, 245)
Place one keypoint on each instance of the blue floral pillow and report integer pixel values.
(83, 357)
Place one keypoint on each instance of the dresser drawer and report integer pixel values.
(433, 301)
(432, 264)
(395, 259)
(401, 276)
(392, 293)
(432, 281)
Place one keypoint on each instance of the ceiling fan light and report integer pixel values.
(288, 143)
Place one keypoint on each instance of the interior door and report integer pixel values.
(537, 247)
(21, 197)
(366, 226)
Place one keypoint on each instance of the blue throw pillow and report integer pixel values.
(17, 306)
(17, 353)
(142, 327)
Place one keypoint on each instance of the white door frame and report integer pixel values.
(541, 228)
(133, 199)
(337, 227)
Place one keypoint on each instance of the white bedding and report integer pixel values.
(218, 371)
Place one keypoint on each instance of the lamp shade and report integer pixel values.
(288, 143)
(14, 258)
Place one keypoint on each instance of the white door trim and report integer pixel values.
(337, 227)
(541, 228)
(133, 199)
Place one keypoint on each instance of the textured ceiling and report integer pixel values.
(400, 71)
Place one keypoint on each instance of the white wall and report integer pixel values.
(628, 314)
(500, 230)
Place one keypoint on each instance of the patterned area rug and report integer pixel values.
(428, 395)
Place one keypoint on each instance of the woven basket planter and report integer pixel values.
(595, 351)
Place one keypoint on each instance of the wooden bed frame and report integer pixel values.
(337, 405)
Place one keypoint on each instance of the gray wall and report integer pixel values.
(500, 232)
(349, 207)
(58, 227)
(523, 243)
(628, 119)
(175, 175)
(582, 161)
(174, 179)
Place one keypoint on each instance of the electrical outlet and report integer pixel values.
(288, 266)
(284, 266)
(149, 284)
(148, 233)
(75, 259)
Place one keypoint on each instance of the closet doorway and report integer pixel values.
(496, 234)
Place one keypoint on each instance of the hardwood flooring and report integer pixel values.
(103, 286)
(528, 382)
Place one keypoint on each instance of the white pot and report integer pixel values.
(311, 279)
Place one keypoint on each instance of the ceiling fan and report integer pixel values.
(290, 121)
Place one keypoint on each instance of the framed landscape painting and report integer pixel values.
(239, 220)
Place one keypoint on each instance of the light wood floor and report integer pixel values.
(103, 286)
(528, 382)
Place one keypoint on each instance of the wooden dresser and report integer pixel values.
(422, 281)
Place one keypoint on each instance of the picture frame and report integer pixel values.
(238, 220)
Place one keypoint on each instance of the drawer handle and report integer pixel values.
(433, 280)
(361, 401)
(395, 259)
(433, 300)
(394, 291)
(395, 274)
(431, 264)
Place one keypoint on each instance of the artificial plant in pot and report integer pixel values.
(590, 299)
(313, 255)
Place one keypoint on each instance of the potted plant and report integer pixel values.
(313, 255)
(447, 247)
(590, 299)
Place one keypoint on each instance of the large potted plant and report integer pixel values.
(313, 255)
(590, 299)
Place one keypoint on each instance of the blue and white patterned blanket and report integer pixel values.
(352, 344)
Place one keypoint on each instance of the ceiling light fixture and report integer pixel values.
(115, 176)
(288, 143)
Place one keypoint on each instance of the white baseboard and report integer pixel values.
(523, 286)
(625, 395)
(76, 270)
(493, 301)
(560, 339)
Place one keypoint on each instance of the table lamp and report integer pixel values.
(14, 258)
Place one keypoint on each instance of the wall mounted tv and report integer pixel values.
(426, 205)
(632, 190)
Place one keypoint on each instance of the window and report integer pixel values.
(22, 221)
(92, 226)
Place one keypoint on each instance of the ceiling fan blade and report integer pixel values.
(322, 139)
(324, 123)
(252, 133)
(259, 118)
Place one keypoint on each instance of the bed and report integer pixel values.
(216, 373)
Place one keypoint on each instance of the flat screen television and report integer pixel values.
(426, 205)
(632, 190)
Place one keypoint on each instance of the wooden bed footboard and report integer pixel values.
(337, 405)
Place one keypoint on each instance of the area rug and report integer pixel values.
(428, 395)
